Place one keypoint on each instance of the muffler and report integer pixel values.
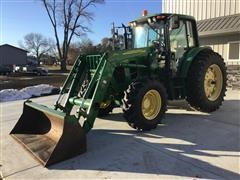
(48, 134)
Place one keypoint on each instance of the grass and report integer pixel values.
(19, 82)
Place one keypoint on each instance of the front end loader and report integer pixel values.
(159, 60)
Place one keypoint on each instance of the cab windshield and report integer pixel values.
(144, 35)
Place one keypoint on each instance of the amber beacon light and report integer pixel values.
(145, 12)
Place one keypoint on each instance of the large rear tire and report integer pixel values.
(144, 104)
(206, 81)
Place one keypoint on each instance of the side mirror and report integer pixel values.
(174, 22)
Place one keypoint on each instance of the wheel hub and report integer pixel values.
(151, 104)
(213, 82)
(104, 105)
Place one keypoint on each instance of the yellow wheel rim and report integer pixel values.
(151, 104)
(105, 104)
(213, 82)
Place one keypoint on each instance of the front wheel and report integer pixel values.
(145, 104)
(206, 82)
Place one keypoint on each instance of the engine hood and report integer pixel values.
(128, 55)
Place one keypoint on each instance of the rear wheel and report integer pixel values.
(145, 104)
(206, 82)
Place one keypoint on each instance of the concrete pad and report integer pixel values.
(189, 144)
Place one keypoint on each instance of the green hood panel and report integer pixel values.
(121, 57)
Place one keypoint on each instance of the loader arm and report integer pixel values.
(89, 103)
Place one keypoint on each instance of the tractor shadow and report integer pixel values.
(187, 144)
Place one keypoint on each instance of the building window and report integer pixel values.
(233, 52)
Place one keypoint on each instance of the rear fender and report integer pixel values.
(188, 59)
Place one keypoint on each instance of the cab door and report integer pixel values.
(181, 40)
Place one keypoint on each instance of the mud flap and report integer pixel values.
(48, 134)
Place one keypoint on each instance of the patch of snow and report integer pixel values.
(12, 95)
(25, 93)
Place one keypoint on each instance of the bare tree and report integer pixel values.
(73, 52)
(86, 46)
(70, 15)
(37, 45)
(106, 44)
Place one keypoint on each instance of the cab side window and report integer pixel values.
(190, 35)
(178, 40)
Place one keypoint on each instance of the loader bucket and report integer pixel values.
(48, 134)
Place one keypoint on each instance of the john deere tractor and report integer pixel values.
(158, 58)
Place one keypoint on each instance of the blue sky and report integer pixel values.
(19, 17)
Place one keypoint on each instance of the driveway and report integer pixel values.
(189, 144)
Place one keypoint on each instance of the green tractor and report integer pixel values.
(158, 58)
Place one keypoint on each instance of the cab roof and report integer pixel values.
(145, 18)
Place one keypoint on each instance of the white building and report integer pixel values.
(218, 23)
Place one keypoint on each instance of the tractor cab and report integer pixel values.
(171, 34)
(179, 30)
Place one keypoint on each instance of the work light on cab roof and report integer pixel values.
(155, 19)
